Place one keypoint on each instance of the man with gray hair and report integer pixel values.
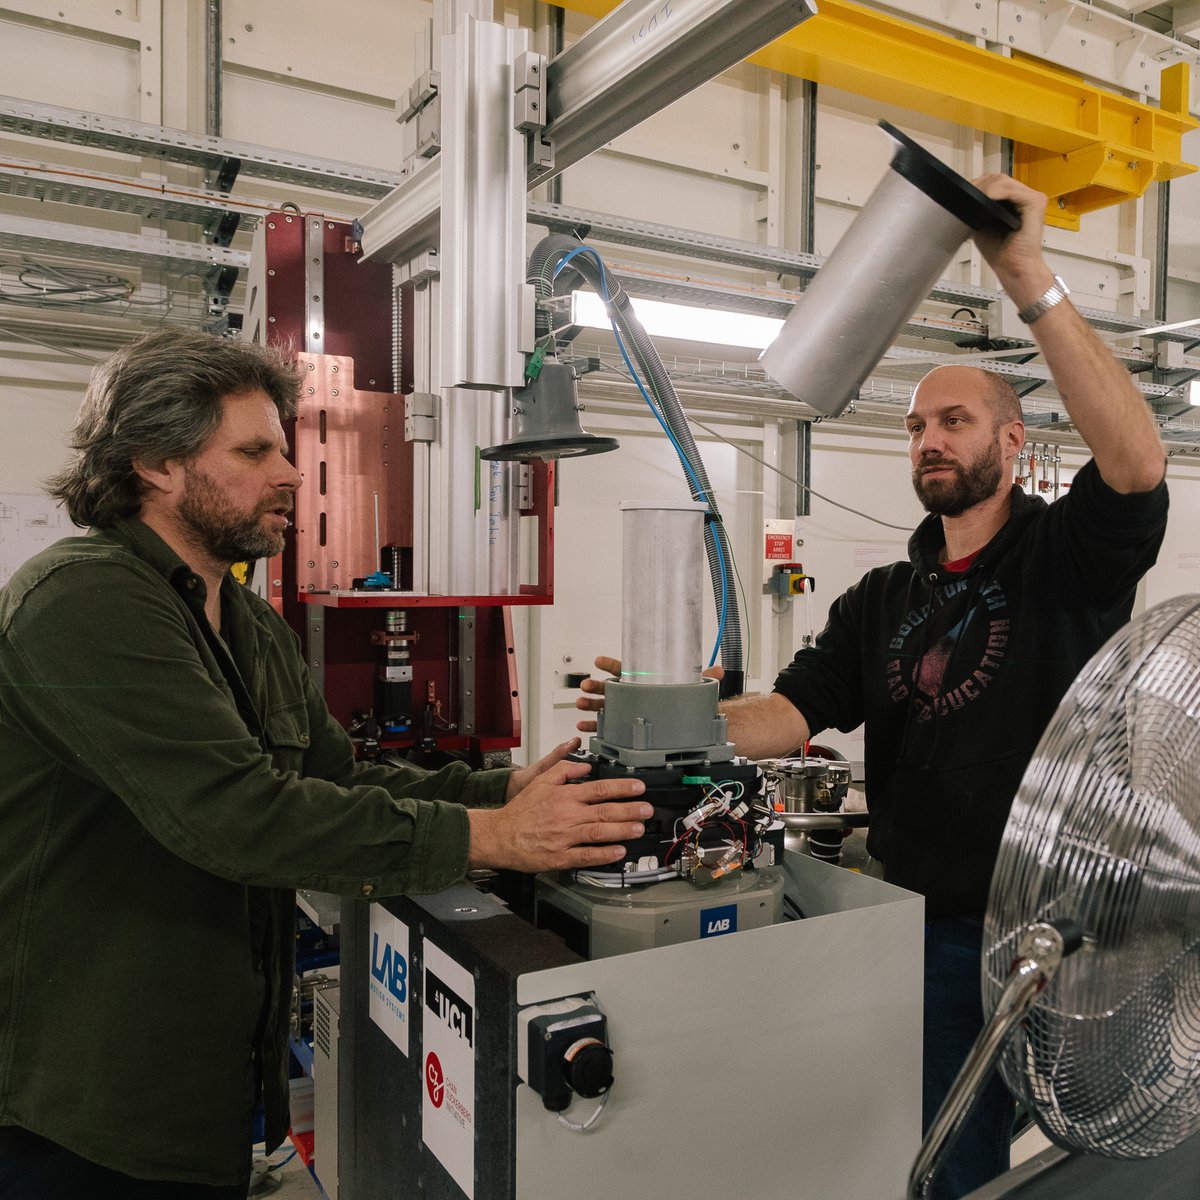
(171, 774)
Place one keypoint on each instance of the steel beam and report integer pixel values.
(641, 58)
(112, 193)
(23, 234)
(1085, 147)
(54, 123)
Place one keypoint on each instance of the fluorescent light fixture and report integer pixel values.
(713, 326)
(1194, 392)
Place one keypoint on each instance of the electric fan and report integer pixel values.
(1092, 936)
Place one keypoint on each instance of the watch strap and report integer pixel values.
(1056, 293)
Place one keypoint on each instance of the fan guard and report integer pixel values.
(1105, 832)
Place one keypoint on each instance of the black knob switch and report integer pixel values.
(588, 1067)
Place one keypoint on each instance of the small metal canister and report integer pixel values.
(814, 785)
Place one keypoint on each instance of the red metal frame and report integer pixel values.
(349, 443)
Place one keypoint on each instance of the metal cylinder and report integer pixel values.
(662, 593)
(884, 266)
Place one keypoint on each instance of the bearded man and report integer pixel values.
(171, 774)
(956, 659)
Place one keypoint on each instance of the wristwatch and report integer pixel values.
(1056, 293)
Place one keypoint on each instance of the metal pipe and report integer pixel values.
(807, 822)
(1040, 954)
(212, 68)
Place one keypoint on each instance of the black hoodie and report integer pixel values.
(956, 675)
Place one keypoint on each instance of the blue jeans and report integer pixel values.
(953, 1019)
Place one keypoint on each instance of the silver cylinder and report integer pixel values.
(895, 251)
(884, 266)
(662, 593)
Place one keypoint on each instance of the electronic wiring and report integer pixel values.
(47, 286)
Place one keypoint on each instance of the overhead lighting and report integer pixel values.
(712, 326)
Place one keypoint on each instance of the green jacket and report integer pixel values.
(162, 791)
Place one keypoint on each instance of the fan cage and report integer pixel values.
(1105, 830)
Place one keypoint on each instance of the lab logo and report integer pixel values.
(387, 983)
(390, 968)
(716, 921)
(449, 1008)
(435, 1080)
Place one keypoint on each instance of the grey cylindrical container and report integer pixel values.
(885, 264)
(662, 592)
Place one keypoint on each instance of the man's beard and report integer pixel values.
(223, 534)
(970, 484)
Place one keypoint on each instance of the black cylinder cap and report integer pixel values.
(948, 188)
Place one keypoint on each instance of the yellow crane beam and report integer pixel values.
(1083, 146)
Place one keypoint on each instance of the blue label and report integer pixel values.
(716, 921)
(389, 968)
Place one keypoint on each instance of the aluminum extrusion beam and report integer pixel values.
(111, 193)
(646, 235)
(139, 138)
(103, 245)
(643, 56)
(1083, 146)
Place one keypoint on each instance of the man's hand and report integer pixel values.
(593, 699)
(552, 824)
(522, 777)
(1099, 394)
(1016, 255)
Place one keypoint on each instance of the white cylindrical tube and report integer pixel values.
(662, 593)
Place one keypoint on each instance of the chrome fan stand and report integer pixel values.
(1040, 951)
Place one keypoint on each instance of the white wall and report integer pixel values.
(722, 160)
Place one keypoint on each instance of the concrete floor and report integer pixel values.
(283, 1177)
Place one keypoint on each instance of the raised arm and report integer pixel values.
(1099, 395)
